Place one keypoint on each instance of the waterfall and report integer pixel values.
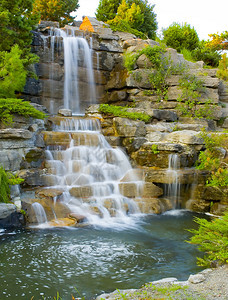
(91, 173)
(173, 189)
(39, 212)
(79, 86)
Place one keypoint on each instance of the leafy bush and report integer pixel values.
(189, 100)
(7, 179)
(181, 37)
(209, 56)
(119, 111)
(12, 72)
(212, 238)
(9, 107)
(222, 72)
(219, 41)
(212, 159)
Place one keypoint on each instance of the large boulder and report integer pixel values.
(9, 217)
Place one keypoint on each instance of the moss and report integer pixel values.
(119, 111)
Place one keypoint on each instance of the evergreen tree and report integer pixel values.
(107, 10)
(149, 24)
(56, 10)
(12, 72)
(16, 23)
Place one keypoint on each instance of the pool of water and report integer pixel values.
(95, 259)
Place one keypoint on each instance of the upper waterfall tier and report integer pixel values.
(79, 86)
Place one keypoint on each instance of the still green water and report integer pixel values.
(94, 259)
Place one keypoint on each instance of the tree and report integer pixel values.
(12, 72)
(219, 41)
(181, 37)
(149, 24)
(56, 10)
(129, 14)
(107, 10)
(16, 23)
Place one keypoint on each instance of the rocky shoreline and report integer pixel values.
(209, 284)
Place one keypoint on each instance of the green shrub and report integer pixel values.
(7, 179)
(119, 111)
(9, 107)
(222, 72)
(212, 160)
(181, 37)
(190, 98)
(212, 238)
(210, 57)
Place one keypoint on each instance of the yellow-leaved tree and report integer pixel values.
(56, 10)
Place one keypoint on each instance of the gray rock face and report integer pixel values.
(6, 210)
(9, 218)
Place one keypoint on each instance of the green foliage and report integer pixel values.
(9, 107)
(190, 99)
(209, 56)
(119, 111)
(212, 160)
(149, 24)
(212, 238)
(56, 10)
(12, 72)
(4, 186)
(154, 149)
(139, 20)
(128, 18)
(16, 22)
(7, 179)
(130, 60)
(222, 72)
(187, 55)
(107, 9)
(181, 37)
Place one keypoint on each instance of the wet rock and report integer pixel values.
(129, 190)
(81, 191)
(77, 217)
(198, 205)
(133, 175)
(150, 190)
(153, 205)
(49, 194)
(65, 112)
(9, 218)
(56, 138)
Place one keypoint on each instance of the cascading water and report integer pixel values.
(173, 188)
(79, 87)
(91, 173)
(39, 212)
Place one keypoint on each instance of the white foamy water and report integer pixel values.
(90, 172)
